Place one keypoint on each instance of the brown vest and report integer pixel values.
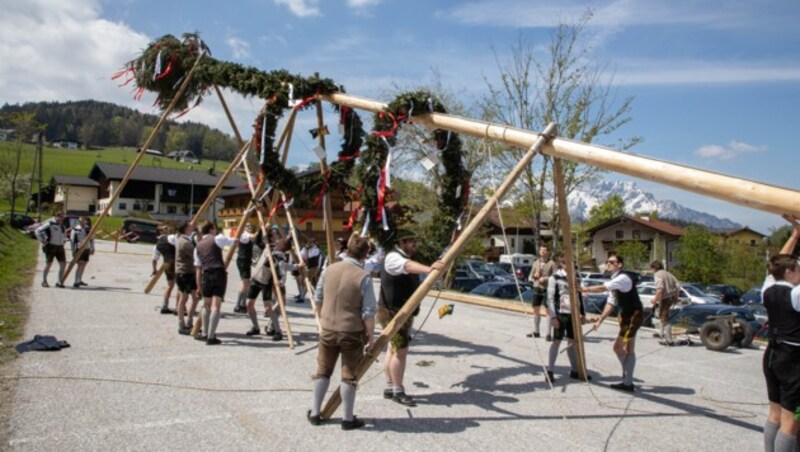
(210, 254)
(342, 300)
(184, 255)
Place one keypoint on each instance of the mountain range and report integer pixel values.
(637, 200)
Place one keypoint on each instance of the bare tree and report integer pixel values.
(14, 184)
(568, 87)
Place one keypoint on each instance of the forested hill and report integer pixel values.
(102, 124)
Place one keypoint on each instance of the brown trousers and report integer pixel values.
(331, 345)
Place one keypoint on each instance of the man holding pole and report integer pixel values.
(622, 292)
(345, 303)
(399, 280)
(165, 247)
(52, 235)
(185, 276)
(667, 291)
(211, 278)
(244, 263)
(560, 311)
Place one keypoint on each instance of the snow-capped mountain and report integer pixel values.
(638, 200)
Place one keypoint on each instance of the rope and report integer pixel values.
(149, 383)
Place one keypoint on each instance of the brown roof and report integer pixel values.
(732, 232)
(651, 223)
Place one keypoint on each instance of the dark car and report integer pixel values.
(140, 230)
(520, 271)
(18, 220)
(464, 281)
(500, 289)
(727, 293)
(500, 273)
(694, 316)
(752, 296)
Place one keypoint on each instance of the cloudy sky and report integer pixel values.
(716, 84)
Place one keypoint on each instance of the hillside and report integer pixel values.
(96, 124)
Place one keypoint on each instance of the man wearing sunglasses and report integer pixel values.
(622, 293)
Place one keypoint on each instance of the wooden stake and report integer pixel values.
(569, 257)
(416, 298)
(756, 195)
(132, 168)
(327, 213)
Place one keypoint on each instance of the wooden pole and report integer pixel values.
(569, 257)
(133, 166)
(296, 245)
(455, 249)
(327, 213)
(284, 140)
(760, 196)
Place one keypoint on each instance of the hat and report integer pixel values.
(405, 234)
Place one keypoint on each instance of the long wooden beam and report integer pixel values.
(132, 168)
(327, 213)
(757, 195)
(452, 253)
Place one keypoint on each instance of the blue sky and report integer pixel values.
(716, 84)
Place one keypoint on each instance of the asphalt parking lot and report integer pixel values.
(130, 382)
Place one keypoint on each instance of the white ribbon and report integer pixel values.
(292, 101)
(388, 165)
(383, 219)
(157, 68)
(366, 226)
(263, 139)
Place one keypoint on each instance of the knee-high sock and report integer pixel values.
(320, 388)
(240, 300)
(206, 320)
(348, 400)
(770, 432)
(253, 319)
(553, 355)
(630, 364)
(273, 318)
(212, 329)
(45, 272)
(61, 274)
(77, 274)
(785, 443)
(668, 332)
(573, 359)
(537, 319)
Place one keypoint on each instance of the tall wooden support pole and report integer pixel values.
(326, 203)
(296, 244)
(569, 258)
(756, 195)
(284, 140)
(416, 298)
(132, 168)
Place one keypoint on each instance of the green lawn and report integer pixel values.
(17, 268)
(75, 162)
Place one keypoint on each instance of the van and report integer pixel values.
(517, 259)
(140, 230)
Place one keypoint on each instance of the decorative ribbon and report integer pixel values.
(168, 70)
(366, 226)
(318, 200)
(157, 68)
(275, 209)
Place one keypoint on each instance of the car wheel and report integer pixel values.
(747, 335)
(715, 335)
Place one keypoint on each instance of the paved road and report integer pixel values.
(130, 382)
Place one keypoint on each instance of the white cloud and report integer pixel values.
(357, 4)
(239, 47)
(682, 72)
(301, 8)
(57, 51)
(732, 150)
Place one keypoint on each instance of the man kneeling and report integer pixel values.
(345, 303)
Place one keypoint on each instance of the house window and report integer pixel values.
(636, 234)
(123, 206)
(172, 192)
(172, 209)
(619, 233)
(513, 243)
(752, 243)
(150, 208)
(137, 206)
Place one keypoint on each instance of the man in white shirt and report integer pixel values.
(52, 235)
(621, 292)
(211, 278)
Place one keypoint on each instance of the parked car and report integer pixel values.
(520, 271)
(140, 230)
(501, 289)
(752, 296)
(759, 312)
(17, 220)
(499, 273)
(695, 317)
(69, 220)
(464, 281)
(596, 276)
(646, 279)
(728, 293)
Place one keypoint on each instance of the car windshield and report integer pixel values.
(692, 290)
(497, 270)
(480, 267)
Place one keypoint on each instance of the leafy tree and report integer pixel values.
(565, 87)
(176, 139)
(612, 207)
(634, 252)
(746, 265)
(13, 183)
(698, 258)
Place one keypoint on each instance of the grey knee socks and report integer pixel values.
(206, 320)
(573, 359)
(628, 366)
(253, 319)
(537, 320)
(770, 432)
(785, 443)
(320, 389)
(276, 325)
(348, 400)
(553, 355)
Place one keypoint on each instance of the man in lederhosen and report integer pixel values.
(667, 291)
(262, 282)
(165, 247)
(244, 263)
(77, 235)
(540, 273)
(52, 235)
(185, 276)
(211, 278)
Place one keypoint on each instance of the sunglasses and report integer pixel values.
(612, 262)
